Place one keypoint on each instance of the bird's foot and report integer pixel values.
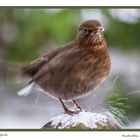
(70, 112)
(77, 105)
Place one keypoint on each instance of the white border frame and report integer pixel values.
(69, 3)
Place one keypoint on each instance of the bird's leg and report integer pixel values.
(77, 105)
(67, 111)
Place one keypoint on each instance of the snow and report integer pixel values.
(88, 119)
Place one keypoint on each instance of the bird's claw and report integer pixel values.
(70, 112)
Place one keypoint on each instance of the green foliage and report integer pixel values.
(117, 102)
(124, 106)
(35, 28)
(124, 35)
(121, 34)
(134, 106)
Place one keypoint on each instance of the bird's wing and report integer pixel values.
(32, 68)
(61, 63)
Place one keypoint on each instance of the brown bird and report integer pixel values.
(72, 71)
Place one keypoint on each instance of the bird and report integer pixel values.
(74, 70)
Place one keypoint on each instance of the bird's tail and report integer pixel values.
(26, 90)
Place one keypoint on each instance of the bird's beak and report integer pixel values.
(100, 29)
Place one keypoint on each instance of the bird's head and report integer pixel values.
(90, 32)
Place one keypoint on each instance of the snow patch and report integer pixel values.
(88, 119)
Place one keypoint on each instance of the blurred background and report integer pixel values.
(25, 34)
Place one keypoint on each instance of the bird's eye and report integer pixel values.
(85, 29)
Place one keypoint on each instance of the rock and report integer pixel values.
(83, 120)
